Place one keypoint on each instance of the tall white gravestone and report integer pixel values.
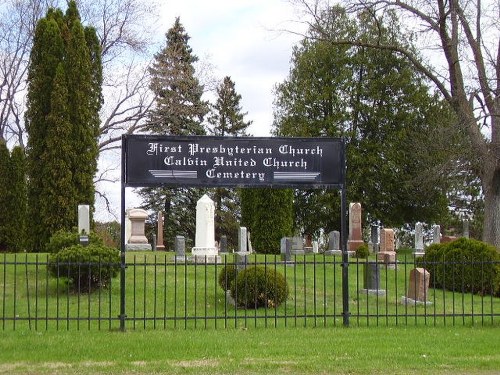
(204, 249)
(436, 234)
(83, 219)
(419, 239)
(242, 239)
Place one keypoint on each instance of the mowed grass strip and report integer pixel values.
(399, 350)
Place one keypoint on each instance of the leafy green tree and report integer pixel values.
(17, 236)
(178, 110)
(463, 42)
(227, 119)
(383, 108)
(62, 121)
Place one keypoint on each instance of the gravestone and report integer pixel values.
(333, 243)
(315, 247)
(83, 219)
(241, 259)
(371, 279)
(180, 249)
(242, 240)
(355, 238)
(204, 250)
(84, 223)
(137, 240)
(297, 246)
(308, 246)
(223, 244)
(387, 253)
(373, 244)
(419, 240)
(286, 249)
(436, 234)
(466, 228)
(159, 243)
(418, 287)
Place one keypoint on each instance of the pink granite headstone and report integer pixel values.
(160, 245)
(387, 252)
(355, 239)
(419, 285)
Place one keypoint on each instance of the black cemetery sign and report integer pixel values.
(151, 160)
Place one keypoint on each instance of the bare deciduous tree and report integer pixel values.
(124, 29)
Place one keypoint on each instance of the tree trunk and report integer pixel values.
(491, 225)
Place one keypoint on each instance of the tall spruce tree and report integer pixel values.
(62, 121)
(179, 110)
(227, 119)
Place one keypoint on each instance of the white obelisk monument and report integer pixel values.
(204, 249)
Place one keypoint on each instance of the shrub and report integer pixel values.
(109, 233)
(259, 286)
(464, 265)
(85, 267)
(227, 276)
(362, 251)
(63, 239)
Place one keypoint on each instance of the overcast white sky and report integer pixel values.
(241, 39)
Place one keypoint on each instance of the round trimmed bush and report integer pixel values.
(463, 265)
(63, 239)
(227, 276)
(362, 251)
(85, 267)
(259, 286)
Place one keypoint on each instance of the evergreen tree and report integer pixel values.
(268, 215)
(179, 110)
(227, 119)
(4, 195)
(17, 201)
(58, 190)
(62, 121)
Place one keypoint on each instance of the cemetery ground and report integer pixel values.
(179, 321)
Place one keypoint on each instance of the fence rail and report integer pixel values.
(162, 292)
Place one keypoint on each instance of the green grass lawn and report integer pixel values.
(179, 321)
(163, 295)
(360, 350)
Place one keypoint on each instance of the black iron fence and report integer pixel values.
(160, 291)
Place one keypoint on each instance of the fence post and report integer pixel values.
(122, 315)
(345, 256)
